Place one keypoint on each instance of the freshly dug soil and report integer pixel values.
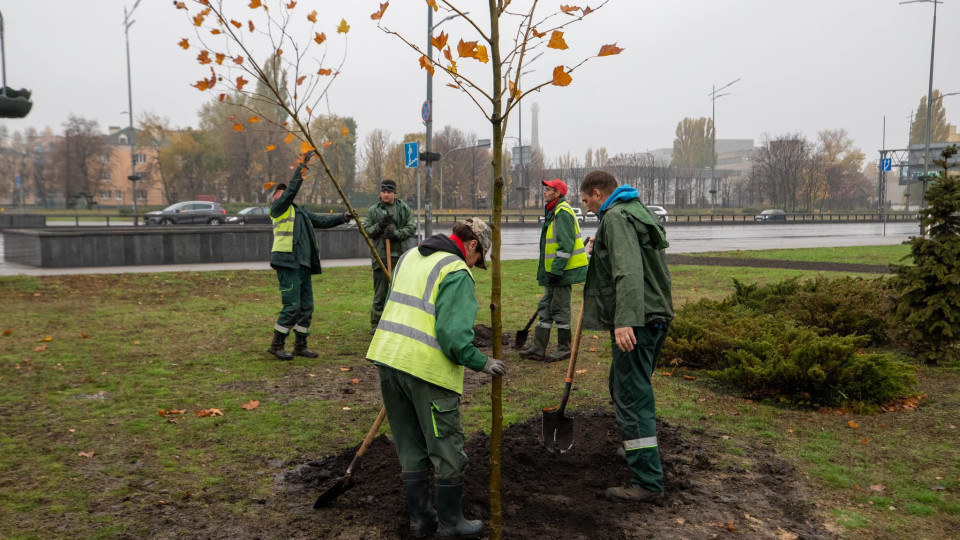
(563, 496)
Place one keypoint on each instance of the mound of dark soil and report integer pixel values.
(562, 496)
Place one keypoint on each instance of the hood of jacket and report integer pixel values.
(440, 242)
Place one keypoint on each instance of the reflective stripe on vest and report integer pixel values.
(406, 338)
(551, 248)
(283, 231)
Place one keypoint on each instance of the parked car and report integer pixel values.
(576, 211)
(660, 211)
(251, 215)
(188, 213)
(772, 214)
(590, 217)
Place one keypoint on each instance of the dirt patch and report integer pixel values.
(544, 495)
(483, 337)
(816, 266)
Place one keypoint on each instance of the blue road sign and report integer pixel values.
(425, 111)
(18, 180)
(411, 151)
(886, 164)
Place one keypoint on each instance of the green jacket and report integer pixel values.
(566, 230)
(405, 228)
(306, 251)
(628, 283)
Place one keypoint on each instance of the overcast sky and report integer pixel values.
(804, 65)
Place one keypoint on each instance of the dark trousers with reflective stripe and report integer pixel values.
(425, 423)
(553, 310)
(634, 404)
(296, 293)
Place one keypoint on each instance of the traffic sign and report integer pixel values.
(425, 111)
(18, 180)
(886, 164)
(411, 151)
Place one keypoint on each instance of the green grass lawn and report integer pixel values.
(122, 347)
(878, 255)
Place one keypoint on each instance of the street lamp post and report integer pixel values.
(481, 143)
(127, 23)
(713, 152)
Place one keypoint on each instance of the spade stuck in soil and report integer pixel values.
(345, 482)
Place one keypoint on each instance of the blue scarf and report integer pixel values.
(622, 193)
(658, 240)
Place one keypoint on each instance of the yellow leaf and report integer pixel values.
(250, 405)
(482, 54)
(322, 71)
(853, 425)
(345, 131)
(270, 148)
(48, 338)
(561, 77)
(320, 37)
(184, 43)
(609, 50)
(433, 4)
(426, 64)
(514, 92)
(344, 27)
(581, 371)
(305, 147)
(556, 41)
(238, 127)
(312, 17)
(383, 7)
(288, 138)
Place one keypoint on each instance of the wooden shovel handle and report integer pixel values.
(368, 439)
(576, 346)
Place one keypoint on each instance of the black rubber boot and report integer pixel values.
(300, 347)
(423, 516)
(563, 346)
(635, 493)
(451, 521)
(276, 347)
(538, 349)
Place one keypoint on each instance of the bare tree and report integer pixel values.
(80, 158)
(374, 159)
(780, 167)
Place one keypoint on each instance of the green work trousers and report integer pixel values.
(634, 405)
(296, 293)
(553, 311)
(425, 422)
(381, 285)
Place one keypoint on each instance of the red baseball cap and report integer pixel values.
(558, 185)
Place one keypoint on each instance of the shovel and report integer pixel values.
(346, 481)
(557, 427)
(521, 338)
(389, 261)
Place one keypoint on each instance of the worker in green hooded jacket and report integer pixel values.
(628, 293)
(563, 262)
(388, 220)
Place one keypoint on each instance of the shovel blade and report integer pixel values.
(557, 431)
(338, 488)
(520, 340)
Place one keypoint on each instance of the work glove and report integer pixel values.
(386, 221)
(554, 279)
(494, 367)
(389, 232)
(346, 217)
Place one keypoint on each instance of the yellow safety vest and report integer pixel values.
(283, 230)
(406, 338)
(579, 256)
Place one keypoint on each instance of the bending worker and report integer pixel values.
(563, 262)
(628, 293)
(421, 346)
(296, 257)
(389, 219)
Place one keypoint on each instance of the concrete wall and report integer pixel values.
(129, 246)
(21, 221)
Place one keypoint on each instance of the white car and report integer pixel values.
(660, 211)
(577, 212)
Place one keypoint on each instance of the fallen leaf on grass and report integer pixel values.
(354, 381)
(345, 409)
(863, 440)
(72, 430)
(209, 412)
(667, 374)
(592, 349)
(689, 377)
(346, 369)
(40, 348)
(48, 338)
(36, 294)
(174, 420)
(83, 336)
(594, 337)
(789, 431)
(171, 412)
(853, 425)
(730, 526)
(87, 455)
(251, 405)
(8, 331)
(878, 488)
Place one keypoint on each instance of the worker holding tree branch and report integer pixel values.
(295, 256)
(563, 262)
(423, 342)
(628, 293)
(389, 219)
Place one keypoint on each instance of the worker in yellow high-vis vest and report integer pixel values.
(563, 262)
(296, 257)
(423, 342)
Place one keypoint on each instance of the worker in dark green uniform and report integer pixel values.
(423, 342)
(628, 293)
(296, 257)
(563, 262)
(389, 219)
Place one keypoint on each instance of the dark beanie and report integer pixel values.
(388, 185)
(279, 187)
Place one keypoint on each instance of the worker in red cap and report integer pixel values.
(563, 262)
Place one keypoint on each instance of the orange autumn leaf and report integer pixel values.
(305, 147)
(198, 19)
(180, 5)
(292, 4)
(300, 79)
(537, 33)
(237, 24)
(87, 455)
(863, 440)
(426, 64)
(270, 148)
(581, 371)
(320, 37)
(238, 127)
(433, 4)
(220, 57)
(184, 43)
(346, 369)
(556, 41)
(482, 54)
(383, 7)
(345, 131)
(238, 60)
(467, 49)
(609, 50)
(592, 349)
(250, 24)
(689, 377)
(250, 405)
(569, 9)
(451, 85)
(561, 77)
(204, 84)
(322, 71)
(253, 119)
(40, 348)
(327, 144)
(215, 31)
(309, 110)
(355, 381)
(48, 338)
(343, 28)
(440, 41)
(7, 332)
(241, 82)
(279, 52)
(209, 412)
(254, 4)
(222, 98)
(853, 425)
(447, 54)
(667, 374)
(312, 17)
(587, 10)
(288, 138)
(84, 336)
(204, 57)
(514, 91)
(269, 185)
